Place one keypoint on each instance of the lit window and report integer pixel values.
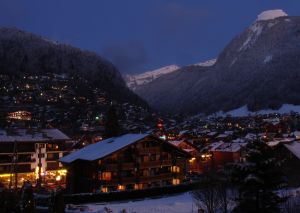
(121, 187)
(138, 186)
(175, 169)
(175, 181)
(104, 189)
(106, 176)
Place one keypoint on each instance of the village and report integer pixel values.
(169, 154)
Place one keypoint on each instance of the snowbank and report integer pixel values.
(176, 204)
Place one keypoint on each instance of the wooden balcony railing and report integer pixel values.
(155, 163)
(149, 150)
(146, 179)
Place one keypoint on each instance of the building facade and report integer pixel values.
(128, 162)
(32, 154)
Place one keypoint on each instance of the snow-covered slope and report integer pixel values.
(141, 79)
(259, 68)
(207, 63)
(244, 111)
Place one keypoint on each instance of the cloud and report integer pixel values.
(175, 17)
(127, 57)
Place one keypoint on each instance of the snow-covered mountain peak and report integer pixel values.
(271, 14)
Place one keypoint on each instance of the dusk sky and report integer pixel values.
(140, 35)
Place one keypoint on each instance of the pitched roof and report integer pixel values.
(226, 147)
(103, 148)
(31, 135)
(294, 148)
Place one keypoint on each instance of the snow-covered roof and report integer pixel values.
(224, 135)
(226, 147)
(238, 140)
(294, 147)
(31, 135)
(175, 143)
(270, 14)
(188, 150)
(211, 133)
(277, 141)
(183, 132)
(296, 134)
(103, 148)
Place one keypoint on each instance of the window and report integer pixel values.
(145, 172)
(175, 169)
(152, 157)
(121, 187)
(106, 176)
(175, 181)
(52, 156)
(104, 189)
(41, 155)
(138, 186)
(146, 158)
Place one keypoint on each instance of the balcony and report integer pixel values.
(111, 167)
(126, 166)
(23, 168)
(151, 150)
(52, 166)
(115, 166)
(150, 164)
(156, 177)
(141, 179)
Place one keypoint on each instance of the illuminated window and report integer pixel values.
(104, 189)
(175, 181)
(106, 176)
(192, 160)
(121, 187)
(138, 186)
(175, 169)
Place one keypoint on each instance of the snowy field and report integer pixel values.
(182, 203)
(243, 111)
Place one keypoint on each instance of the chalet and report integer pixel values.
(289, 152)
(131, 161)
(195, 163)
(31, 154)
(223, 153)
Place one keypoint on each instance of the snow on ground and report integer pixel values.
(182, 203)
(254, 32)
(268, 59)
(270, 14)
(243, 111)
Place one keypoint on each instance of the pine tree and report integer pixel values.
(257, 179)
(112, 126)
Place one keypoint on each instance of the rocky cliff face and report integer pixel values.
(23, 52)
(259, 68)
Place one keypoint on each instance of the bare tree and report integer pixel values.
(208, 196)
(292, 201)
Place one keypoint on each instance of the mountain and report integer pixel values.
(208, 63)
(133, 81)
(23, 52)
(260, 69)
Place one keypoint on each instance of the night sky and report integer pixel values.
(139, 35)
